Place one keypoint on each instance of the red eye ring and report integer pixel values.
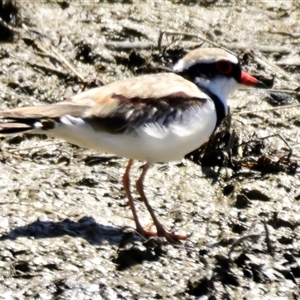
(224, 67)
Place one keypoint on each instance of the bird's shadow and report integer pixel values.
(86, 228)
(131, 250)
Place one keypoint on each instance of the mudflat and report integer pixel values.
(65, 224)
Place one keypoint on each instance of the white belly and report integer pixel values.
(152, 142)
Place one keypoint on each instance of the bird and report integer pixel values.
(153, 118)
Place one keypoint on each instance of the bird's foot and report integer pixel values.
(171, 237)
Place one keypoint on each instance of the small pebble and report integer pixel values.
(277, 99)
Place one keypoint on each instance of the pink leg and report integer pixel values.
(126, 184)
(161, 231)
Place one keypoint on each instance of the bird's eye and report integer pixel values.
(224, 67)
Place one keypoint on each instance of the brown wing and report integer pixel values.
(117, 107)
(124, 105)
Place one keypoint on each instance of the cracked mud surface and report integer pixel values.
(65, 223)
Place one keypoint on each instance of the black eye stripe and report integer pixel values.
(210, 71)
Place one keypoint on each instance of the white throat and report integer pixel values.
(221, 87)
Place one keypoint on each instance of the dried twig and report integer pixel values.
(291, 91)
(266, 110)
(242, 239)
(271, 136)
(129, 45)
(41, 66)
(9, 27)
(259, 58)
(262, 48)
(52, 52)
(65, 62)
(188, 34)
(55, 54)
(268, 240)
(289, 34)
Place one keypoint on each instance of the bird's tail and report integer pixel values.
(37, 118)
(25, 120)
(16, 126)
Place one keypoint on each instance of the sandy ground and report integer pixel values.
(65, 223)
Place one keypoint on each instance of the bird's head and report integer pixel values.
(215, 71)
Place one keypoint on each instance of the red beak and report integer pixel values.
(249, 80)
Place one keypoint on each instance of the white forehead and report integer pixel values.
(203, 55)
